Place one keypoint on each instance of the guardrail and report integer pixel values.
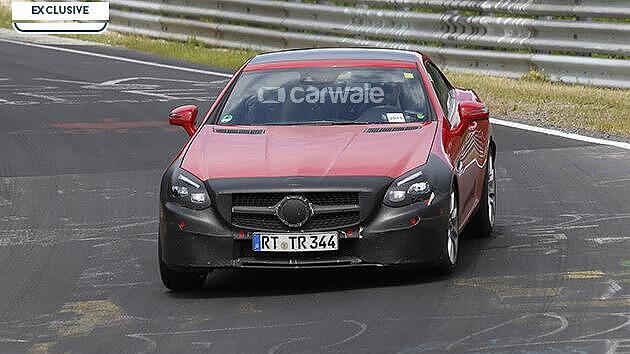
(587, 43)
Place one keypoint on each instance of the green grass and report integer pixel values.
(5, 17)
(531, 99)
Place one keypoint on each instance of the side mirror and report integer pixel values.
(185, 116)
(473, 111)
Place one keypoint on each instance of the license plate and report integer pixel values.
(303, 242)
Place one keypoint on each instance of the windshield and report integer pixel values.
(354, 95)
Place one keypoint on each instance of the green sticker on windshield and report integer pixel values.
(226, 118)
(420, 115)
(408, 75)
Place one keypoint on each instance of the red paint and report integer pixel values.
(186, 117)
(308, 151)
(331, 63)
(473, 111)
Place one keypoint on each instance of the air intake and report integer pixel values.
(240, 131)
(389, 129)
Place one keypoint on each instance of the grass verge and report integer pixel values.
(530, 99)
(5, 17)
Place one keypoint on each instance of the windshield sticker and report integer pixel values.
(420, 115)
(395, 117)
(408, 75)
(226, 118)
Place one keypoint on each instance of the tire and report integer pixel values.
(179, 281)
(482, 223)
(450, 252)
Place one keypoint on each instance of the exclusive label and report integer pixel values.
(60, 17)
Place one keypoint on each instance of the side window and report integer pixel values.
(440, 85)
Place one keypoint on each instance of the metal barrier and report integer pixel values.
(568, 42)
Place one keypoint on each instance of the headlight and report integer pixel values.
(187, 190)
(408, 188)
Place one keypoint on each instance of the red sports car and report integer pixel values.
(328, 158)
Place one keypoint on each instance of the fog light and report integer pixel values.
(396, 196)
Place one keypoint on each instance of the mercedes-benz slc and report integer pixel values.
(322, 158)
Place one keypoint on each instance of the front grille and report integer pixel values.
(317, 198)
(318, 222)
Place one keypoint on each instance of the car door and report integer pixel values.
(460, 145)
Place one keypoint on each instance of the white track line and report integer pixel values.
(562, 134)
(113, 57)
(547, 131)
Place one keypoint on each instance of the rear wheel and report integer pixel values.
(482, 223)
(179, 281)
(451, 250)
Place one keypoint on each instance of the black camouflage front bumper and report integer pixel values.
(202, 240)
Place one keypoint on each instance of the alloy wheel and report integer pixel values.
(492, 192)
(453, 237)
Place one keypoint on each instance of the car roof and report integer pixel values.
(336, 53)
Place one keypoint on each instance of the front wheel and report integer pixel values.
(450, 253)
(482, 223)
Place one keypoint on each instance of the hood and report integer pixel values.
(280, 151)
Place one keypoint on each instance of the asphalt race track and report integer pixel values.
(83, 143)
